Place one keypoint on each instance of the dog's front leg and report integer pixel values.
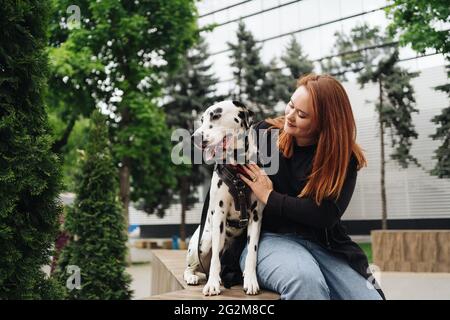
(218, 218)
(251, 285)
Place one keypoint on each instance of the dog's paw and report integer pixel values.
(212, 287)
(191, 279)
(251, 285)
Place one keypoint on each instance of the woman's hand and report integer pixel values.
(261, 185)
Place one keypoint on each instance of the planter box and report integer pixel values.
(411, 250)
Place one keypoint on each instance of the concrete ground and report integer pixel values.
(415, 285)
(141, 272)
(396, 285)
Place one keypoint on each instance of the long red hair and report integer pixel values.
(333, 121)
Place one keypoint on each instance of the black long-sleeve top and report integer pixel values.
(285, 212)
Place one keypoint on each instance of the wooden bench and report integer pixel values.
(411, 250)
(168, 283)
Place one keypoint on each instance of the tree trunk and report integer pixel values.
(61, 142)
(382, 162)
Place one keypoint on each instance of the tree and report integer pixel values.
(133, 46)
(396, 102)
(96, 226)
(190, 91)
(418, 23)
(29, 170)
(349, 53)
(442, 153)
(249, 72)
(281, 82)
(295, 60)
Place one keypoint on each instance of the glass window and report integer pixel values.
(289, 19)
(310, 41)
(351, 7)
(255, 26)
(329, 10)
(372, 4)
(327, 38)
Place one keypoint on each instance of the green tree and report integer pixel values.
(442, 153)
(29, 171)
(296, 61)
(281, 81)
(349, 53)
(396, 102)
(96, 225)
(249, 72)
(190, 91)
(419, 23)
(124, 50)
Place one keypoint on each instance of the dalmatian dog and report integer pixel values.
(224, 129)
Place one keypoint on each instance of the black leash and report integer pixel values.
(200, 235)
(241, 196)
(238, 189)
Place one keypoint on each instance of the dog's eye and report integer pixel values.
(215, 117)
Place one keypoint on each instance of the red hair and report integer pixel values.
(334, 123)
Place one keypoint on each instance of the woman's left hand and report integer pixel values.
(261, 185)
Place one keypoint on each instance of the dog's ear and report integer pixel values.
(245, 114)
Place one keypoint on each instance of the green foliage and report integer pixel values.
(367, 248)
(263, 86)
(376, 65)
(29, 171)
(96, 225)
(118, 57)
(398, 105)
(352, 55)
(419, 23)
(442, 154)
(70, 153)
(249, 72)
(280, 83)
(296, 61)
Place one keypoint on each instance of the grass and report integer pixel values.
(367, 248)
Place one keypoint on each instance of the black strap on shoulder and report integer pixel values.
(238, 189)
(200, 235)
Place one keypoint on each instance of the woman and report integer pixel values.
(304, 251)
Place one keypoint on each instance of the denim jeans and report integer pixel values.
(300, 269)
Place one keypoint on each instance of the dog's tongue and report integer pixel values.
(210, 152)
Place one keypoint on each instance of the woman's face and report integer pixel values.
(298, 119)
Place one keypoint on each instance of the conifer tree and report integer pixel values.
(29, 171)
(96, 225)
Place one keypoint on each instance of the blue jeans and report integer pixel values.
(300, 269)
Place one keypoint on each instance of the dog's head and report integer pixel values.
(222, 124)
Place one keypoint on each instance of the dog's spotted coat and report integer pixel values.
(217, 235)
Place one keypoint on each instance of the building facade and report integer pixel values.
(415, 199)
